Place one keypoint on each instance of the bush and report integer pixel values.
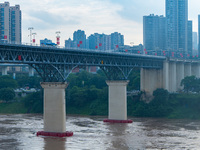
(34, 102)
(7, 82)
(7, 94)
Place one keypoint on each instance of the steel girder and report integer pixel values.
(117, 73)
(55, 64)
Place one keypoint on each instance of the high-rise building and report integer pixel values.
(96, 41)
(69, 43)
(154, 32)
(177, 21)
(199, 35)
(4, 21)
(107, 42)
(10, 23)
(99, 41)
(195, 43)
(117, 40)
(162, 33)
(189, 34)
(79, 39)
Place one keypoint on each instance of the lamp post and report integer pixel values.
(30, 28)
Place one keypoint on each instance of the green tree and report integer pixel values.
(159, 106)
(7, 82)
(190, 83)
(161, 94)
(24, 80)
(34, 102)
(134, 80)
(7, 94)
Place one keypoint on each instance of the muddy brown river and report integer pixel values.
(18, 132)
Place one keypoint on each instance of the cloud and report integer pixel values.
(67, 16)
(135, 10)
(101, 16)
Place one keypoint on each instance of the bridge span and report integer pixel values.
(54, 66)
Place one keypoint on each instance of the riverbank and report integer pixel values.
(13, 108)
(173, 106)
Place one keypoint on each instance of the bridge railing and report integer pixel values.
(158, 53)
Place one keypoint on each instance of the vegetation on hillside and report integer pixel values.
(87, 94)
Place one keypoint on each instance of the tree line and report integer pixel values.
(87, 94)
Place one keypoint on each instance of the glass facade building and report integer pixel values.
(154, 32)
(195, 43)
(199, 35)
(190, 34)
(177, 22)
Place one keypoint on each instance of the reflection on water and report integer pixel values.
(116, 136)
(18, 132)
(54, 143)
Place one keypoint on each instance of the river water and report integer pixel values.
(18, 132)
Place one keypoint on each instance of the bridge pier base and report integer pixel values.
(54, 110)
(117, 102)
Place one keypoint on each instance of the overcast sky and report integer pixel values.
(92, 16)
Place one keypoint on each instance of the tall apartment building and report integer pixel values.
(69, 43)
(154, 32)
(189, 34)
(99, 41)
(195, 41)
(199, 35)
(10, 23)
(79, 39)
(177, 22)
(117, 40)
(96, 41)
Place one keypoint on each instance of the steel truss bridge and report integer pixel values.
(55, 64)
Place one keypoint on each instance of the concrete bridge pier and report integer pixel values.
(150, 80)
(54, 110)
(172, 77)
(166, 75)
(187, 69)
(4, 70)
(117, 102)
(196, 70)
(179, 75)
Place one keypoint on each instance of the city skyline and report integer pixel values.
(92, 16)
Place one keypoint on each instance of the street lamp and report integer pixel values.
(30, 28)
